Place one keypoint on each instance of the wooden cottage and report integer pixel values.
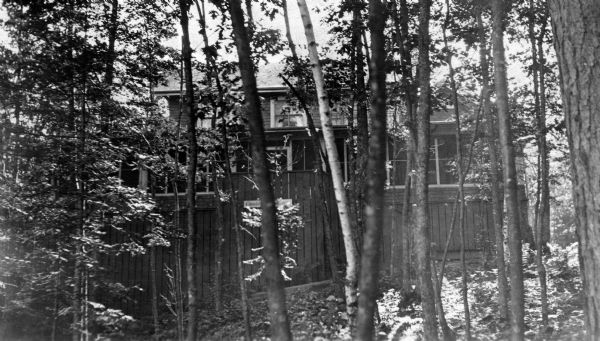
(295, 180)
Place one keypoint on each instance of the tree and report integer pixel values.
(510, 174)
(576, 27)
(376, 174)
(65, 150)
(334, 166)
(497, 211)
(280, 326)
(192, 165)
(421, 215)
(461, 187)
(542, 210)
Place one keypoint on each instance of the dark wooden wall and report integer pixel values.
(311, 255)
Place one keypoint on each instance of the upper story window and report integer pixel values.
(286, 114)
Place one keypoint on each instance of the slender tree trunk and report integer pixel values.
(321, 157)
(545, 170)
(576, 27)
(280, 326)
(461, 179)
(543, 229)
(447, 332)
(369, 272)
(542, 204)
(401, 18)
(497, 211)
(324, 177)
(362, 125)
(192, 165)
(288, 33)
(178, 273)
(238, 240)
(334, 165)
(213, 73)
(154, 292)
(510, 174)
(421, 216)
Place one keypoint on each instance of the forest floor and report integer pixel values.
(319, 313)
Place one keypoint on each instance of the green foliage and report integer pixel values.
(289, 222)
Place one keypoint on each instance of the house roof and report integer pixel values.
(267, 80)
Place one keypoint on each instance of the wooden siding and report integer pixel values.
(311, 255)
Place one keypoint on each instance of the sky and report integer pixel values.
(296, 27)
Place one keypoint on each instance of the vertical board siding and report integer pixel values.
(133, 271)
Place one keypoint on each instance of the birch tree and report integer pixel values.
(334, 165)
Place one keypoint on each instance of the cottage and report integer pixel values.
(295, 180)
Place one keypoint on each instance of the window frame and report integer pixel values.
(435, 149)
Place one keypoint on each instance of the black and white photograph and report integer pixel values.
(390, 170)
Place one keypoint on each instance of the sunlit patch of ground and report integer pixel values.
(319, 313)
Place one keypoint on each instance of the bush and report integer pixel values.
(289, 222)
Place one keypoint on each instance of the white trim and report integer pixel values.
(437, 162)
(272, 111)
(345, 161)
(470, 185)
(163, 195)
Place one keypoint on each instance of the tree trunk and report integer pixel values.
(192, 165)
(421, 217)
(369, 270)
(576, 27)
(497, 211)
(461, 183)
(542, 204)
(334, 165)
(280, 326)
(544, 152)
(220, 216)
(358, 188)
(288, 33)
(510, 175)
(324, 177)
(401, 19)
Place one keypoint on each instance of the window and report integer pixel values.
(279, 159)
(441, 161)
(338, 115)
(289, 115)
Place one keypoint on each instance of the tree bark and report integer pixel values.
(324, 181)
(373, 211)
(334, 165)
(510, 174)
(288, 33)
(280, 326)
(358, 180)
(544, 150)
(542, 205)
(421, 212)
(192, 165)
(576, 27)
(497, 211)
(461, 186)
(403, 246)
